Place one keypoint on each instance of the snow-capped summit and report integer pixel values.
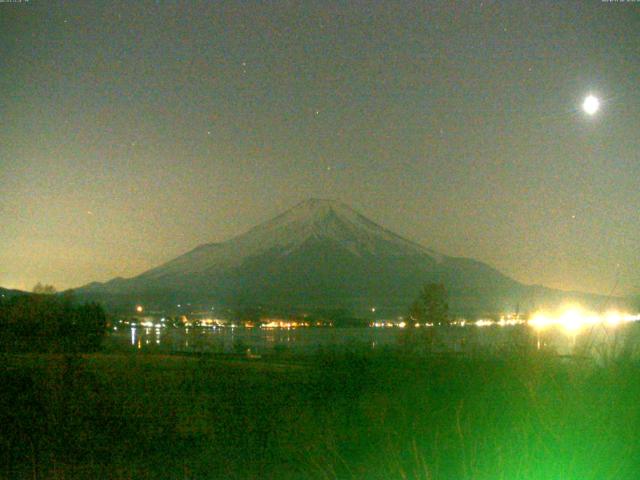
(329, 219)
(313, 220)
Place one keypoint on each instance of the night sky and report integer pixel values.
(134, 131)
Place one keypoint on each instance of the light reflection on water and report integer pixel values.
(309, 340)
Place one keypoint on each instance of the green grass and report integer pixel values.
(388, 415)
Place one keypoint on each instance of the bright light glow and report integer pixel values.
(591, 105)
(614, 318)
(574, 318)
(139, 309)
(540, 321)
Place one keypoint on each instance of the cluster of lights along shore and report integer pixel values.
(571, 318)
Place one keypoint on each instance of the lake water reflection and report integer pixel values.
(309, 340)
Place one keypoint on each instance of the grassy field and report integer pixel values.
(388, 415)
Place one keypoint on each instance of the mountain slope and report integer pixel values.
(312, 219)
(320, 253)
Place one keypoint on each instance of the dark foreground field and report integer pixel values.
(370, 416)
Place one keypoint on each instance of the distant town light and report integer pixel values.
(484, 323)
(139, 309)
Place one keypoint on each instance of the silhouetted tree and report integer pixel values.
(431, 306)
(435, 303)
(416, 314)
(44, 289)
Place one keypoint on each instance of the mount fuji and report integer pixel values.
(320, 254)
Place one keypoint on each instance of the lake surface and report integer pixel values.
(468, 339)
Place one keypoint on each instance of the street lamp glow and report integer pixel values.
(591, 105)
(572, 320)
(540, 321)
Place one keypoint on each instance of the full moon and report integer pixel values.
(591, 105)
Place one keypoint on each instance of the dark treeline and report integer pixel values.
(50, 323)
